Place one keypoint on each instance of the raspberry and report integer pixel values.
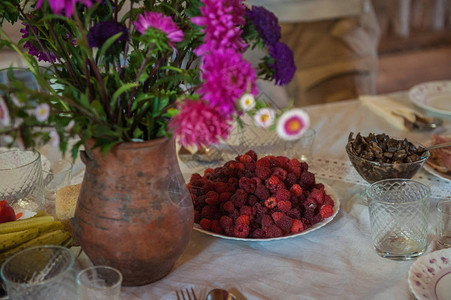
(304, 166)
(291, 179)
(274, 231)
(225, 221)
(209, 186)
(297, 226)
(239, 198)
(252, 200)
(228, 230)
(294, 201)
(307, 179)
(216, 226)
(283, 160)
(224, 197)
(328, 200)
(285, 223)
(283, 195)
(208, 171)
(294, 213)
(237, 166)
(273, 162)
(306, 223)
(247, 184)
(284, 205)
(196, 217)
(280, 172)
(294, 163)
(326, 211)
(232, 181)
(200, 200)
(246, 210)
(252, 154)
(318, 195)
(263, 172)
(257, 180)
(259, 209)
(258, 233)
(267, 220)
(250, 167)
(261, 192)
(296, 190)
(319, 186)
(205, 224)
(245, 158)
(243, 219)
(271, 202)
(220, 187)
(276, 216)
(316, 218)
(262, 162)
(208, 211)
(198, 183)
(228, 206)
(272, 181)
(195, 176)
(241, 230)
(235, 214)
(212, 198)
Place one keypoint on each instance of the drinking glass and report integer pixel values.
(59, 175)
(301, 148)
(21, 180)
(99, 283)
(42, 272)
(444, 224)
(399, 210)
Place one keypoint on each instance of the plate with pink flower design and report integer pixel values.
(430, 276)
(329, 191)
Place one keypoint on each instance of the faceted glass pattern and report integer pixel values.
(42, 272)
(21, 180)
(399, 210)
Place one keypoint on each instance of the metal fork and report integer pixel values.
(186, 292)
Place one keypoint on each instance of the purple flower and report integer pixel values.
(226, 77)
(102, 31)
(199, 124)
(160, 22)
(221, 20)
(266, 24)
(283, 65)
(58, 6)
(32, 49)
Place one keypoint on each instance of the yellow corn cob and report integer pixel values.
(57, 237)
(24, 224)
(14, 239)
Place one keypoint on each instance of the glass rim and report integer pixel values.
(442, 210)
(69, 169)
(34, 151)
(99, 288)
(428, 189)
(65, 249)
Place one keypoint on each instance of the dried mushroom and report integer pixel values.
(378, 156)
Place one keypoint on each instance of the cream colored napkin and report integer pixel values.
(387, 108)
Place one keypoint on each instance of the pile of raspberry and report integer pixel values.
(269, 197)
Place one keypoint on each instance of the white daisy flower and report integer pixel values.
(5, 119)
(264, 117)
(292, 124)
(42, 112)
(247, 102)
(54, 138)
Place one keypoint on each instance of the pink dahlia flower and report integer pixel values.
(58, 6)
(199, 124)
(221, 20)
(226, 77)
(161, 22)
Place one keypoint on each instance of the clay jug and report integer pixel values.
(134, 212)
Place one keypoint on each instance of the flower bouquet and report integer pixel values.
(117, 71)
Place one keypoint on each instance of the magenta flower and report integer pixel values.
(226, 77)
(160, 22)
(68, 6)
(221, 20)
(199, 124)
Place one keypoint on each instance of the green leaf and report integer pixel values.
(121, 90)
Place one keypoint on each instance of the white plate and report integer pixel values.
(434, 97)
(430, 276)
(318, 225)
(433, 171)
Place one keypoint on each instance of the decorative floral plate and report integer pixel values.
(430, 169)
(430, 276)
(434, 97)
(318, 225)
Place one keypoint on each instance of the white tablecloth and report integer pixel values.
(336, 261)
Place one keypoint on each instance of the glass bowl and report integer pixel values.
(373, 171)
